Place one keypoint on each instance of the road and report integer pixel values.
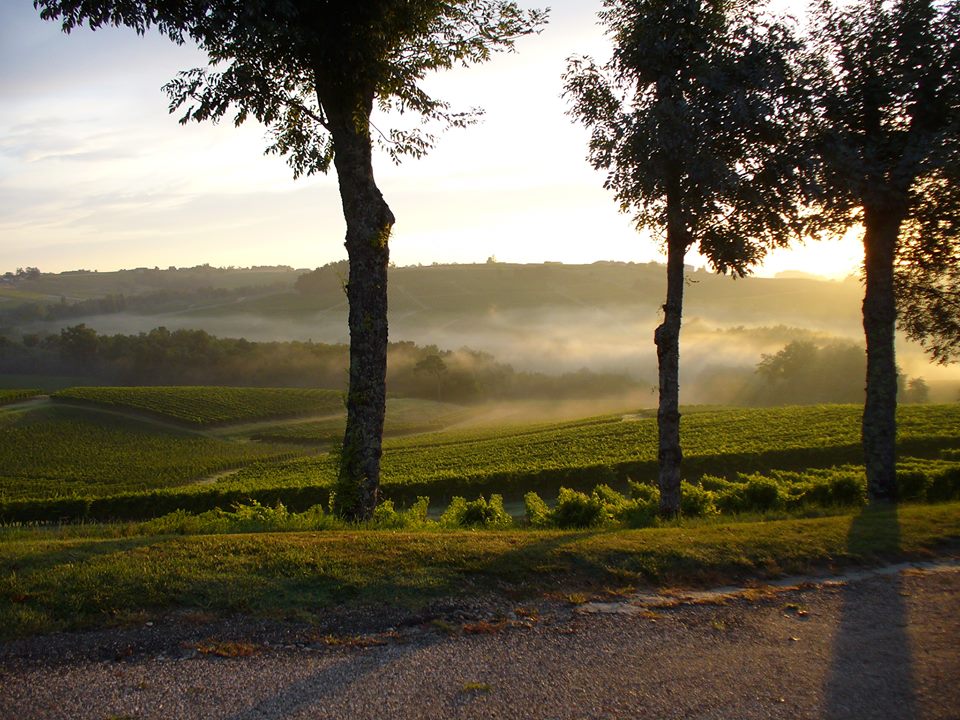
(873, 646)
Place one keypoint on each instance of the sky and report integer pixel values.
(96, 174)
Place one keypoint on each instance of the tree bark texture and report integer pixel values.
(879, 324)
(667, 339)
(369, 222)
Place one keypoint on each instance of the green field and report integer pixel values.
(199, 405)
(12, 396)
(584, 452)
(404, 417)
(57, 452)
(115, 467)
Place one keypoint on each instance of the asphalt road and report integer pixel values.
(884, 646)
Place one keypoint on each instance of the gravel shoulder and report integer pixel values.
(878, 645)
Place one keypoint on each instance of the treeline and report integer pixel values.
(195, 357)
(149, 303)
(804, 372)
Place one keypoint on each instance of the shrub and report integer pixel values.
(578, 510)
(848, 489)
(385, 515)
(762, 493)
(537, 512)
(945, 485)
(912, 484)
(644, 493)
(697, 502)
(640, 514)
(461, 513)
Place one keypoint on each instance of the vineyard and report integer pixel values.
(61, 452)
(115, 468)
(404, 417)
(210, 405)
(12, 396)
(718, 442)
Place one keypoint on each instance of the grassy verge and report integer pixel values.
(49, 583)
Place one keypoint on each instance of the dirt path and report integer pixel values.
(876, 646)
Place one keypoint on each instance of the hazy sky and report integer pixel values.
(94, 173)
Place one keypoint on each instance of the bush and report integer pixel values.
(537, 512)
(762, 493)
(644, 493)
(578, 510)
(913, 484)
(461, 513)
(945, 485)
(697, 502)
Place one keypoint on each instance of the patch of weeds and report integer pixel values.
(227, 649)
(443, 626)
(577, 599)
(476, 687)
(359, 641)
(527, 613)
(718, 625)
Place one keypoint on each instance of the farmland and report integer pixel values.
(404, 417)
(60, 452)
(719, 441)
(12, 396)
(123, 467)
(210, 405)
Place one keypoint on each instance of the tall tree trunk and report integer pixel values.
(879, 323)
(369, 222)
(667, 339)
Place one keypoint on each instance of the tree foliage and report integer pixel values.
(704, 102)
(889, 136)
(267, 59)
(886, 135)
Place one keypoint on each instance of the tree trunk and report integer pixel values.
(369, 221)
(879, 323)
(667, 339)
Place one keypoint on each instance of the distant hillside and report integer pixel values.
(428, 295)
(550, 318)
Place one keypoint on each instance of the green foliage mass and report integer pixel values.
(59, 452)
(734, 453)
(605, 448)
(211, 405)
(12, 396)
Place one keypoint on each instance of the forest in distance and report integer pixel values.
(501, 331)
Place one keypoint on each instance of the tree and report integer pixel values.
(312, 73)
(433, 365)
(917, 391)
(886, 133)
(695, 121)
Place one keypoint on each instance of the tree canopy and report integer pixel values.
(886, 133)
(703, 102)
(268, 60)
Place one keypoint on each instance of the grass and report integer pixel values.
(11, 396)
(49, 583)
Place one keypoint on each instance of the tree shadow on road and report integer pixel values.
(870, 673)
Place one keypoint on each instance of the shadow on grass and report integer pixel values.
(870, 671)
